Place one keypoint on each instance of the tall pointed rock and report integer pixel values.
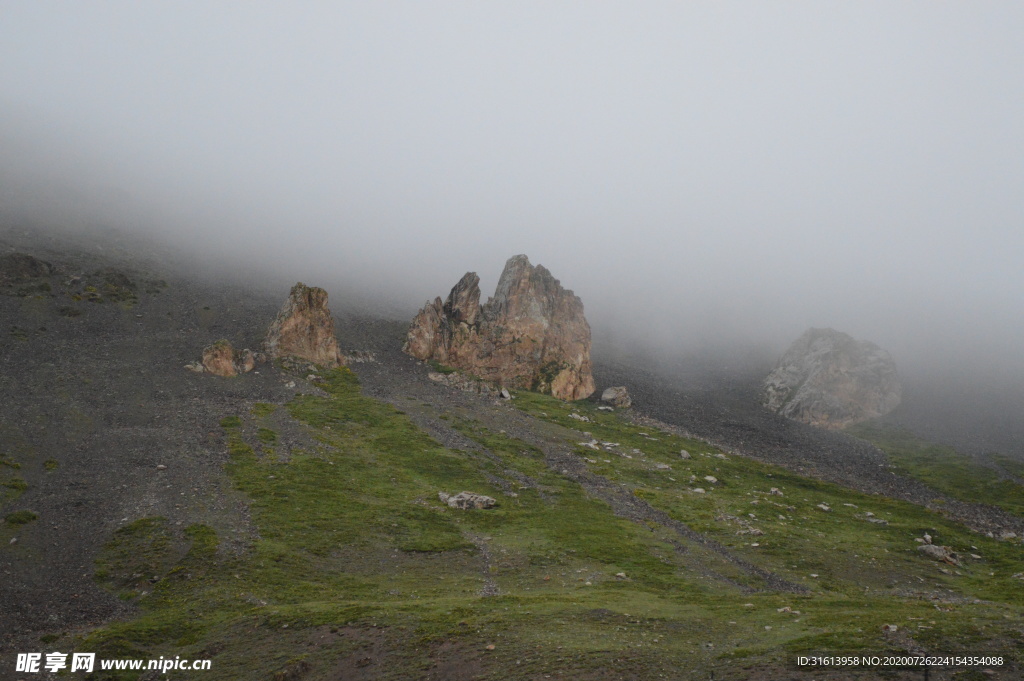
(304, 328)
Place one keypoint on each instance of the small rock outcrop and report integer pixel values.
(304, 328)
(831, 380)
(531, 334)
(467, 500)
(221, 359)
(940, 553)
(617, 396)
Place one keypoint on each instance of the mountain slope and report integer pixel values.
(296, 532)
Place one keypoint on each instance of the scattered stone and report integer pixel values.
(290, 384)
(604, 408)
(304, 328)
(683, 454)
(698, 490)
(197, 367)
(531, 334)
(927, 538)
(940, 553)
(579, 417)
(467, 500)
(775, 491)
(891, 628)
(360, 356)
(490, 646)
(710, 478)
(828, 379)
(1007, 535)
(161, 467)
(617, 396)
(592, 445)
(878, 521)
(460, 381)
(721, 456)
(784, 609)
(663, 466)
(504, 394)
(824, 507)
(620, 575)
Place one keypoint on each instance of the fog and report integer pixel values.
(700, 174)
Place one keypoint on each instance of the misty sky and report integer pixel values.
(699, 169)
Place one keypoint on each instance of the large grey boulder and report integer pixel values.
(832, 380)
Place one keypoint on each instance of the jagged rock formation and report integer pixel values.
(221, 359)
(617, 396)
(304, 328)
(831, 380)
(532, 334)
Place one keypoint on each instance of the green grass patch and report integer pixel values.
(266, 436)
(263, 409)
(441, 368)
(355, 561)
(943, 468)
(20, 517)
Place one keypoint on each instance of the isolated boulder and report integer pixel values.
(616, 396)
(940, 553)
(221, 359)
(304, 328)
(831, 380)
(531, 334)
(467, 500)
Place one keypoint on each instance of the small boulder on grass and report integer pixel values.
(467, 500)
(940, 553)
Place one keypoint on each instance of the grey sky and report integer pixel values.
(696, 168)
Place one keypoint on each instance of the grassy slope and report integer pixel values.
(946, 470)
(360, 570)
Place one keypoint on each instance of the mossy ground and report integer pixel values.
(360, 571)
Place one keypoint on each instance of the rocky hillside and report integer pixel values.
(531, 334)
(829, 379)
(295, 522)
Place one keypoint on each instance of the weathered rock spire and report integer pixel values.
(304, 328)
